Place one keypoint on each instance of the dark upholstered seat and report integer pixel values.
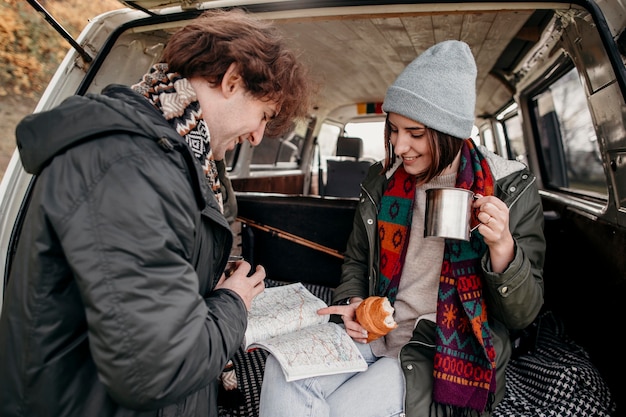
(345, 173)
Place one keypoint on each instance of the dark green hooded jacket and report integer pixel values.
(110, 308)
(514, 297)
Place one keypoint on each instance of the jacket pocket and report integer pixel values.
(416, 358)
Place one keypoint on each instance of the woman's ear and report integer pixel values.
(231, 81)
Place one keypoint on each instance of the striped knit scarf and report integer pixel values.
(464, 364)
(174, 97)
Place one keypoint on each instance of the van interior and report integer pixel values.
(551, 93)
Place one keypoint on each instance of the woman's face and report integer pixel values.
(410, 142)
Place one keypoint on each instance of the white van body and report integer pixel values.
(551, 92)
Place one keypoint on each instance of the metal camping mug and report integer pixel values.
(448, 213)
(231, 266)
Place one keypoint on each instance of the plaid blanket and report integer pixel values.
(554, 378)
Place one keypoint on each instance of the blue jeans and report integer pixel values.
(376, 392)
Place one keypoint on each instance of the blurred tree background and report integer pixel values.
(30, 52)
(30, 49)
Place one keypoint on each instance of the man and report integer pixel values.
(116, 302)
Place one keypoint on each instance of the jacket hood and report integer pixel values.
(41, 136)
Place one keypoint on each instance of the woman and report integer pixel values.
(454, 301)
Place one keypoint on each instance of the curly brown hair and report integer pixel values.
(270, 69)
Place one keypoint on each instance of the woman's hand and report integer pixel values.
(348, 315)
(247, 287)
(494, 218)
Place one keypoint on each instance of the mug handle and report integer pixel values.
(474, 218)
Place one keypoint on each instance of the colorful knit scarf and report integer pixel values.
(394, 225)
(465, 359)
(175, 98)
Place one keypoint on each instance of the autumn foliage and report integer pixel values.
(30, 49)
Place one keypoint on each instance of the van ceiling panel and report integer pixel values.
(371, 50)
(365, 49)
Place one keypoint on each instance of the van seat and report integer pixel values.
(345, 172)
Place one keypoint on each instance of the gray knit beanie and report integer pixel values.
(438, 89)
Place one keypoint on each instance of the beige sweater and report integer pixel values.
(417, 293)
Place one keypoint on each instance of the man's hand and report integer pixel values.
(247, 287)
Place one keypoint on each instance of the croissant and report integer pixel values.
(375, 314)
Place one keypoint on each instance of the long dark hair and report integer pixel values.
(443, 149)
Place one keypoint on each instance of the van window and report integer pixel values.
(512, 129)
(569, 151)
(371, 132)
(488, 140)
(511, 135)
(327, 140)
(373, 135)
(274, 152)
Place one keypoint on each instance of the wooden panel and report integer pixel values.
(398, 39)
(447, 27)
(324, 221)
(287, 184)
(421, 31)
(376, 54)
